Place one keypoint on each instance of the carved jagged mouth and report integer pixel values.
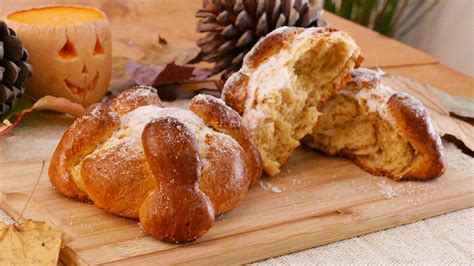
(82, 91)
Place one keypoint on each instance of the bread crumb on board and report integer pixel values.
(387, 189)
(268, 186)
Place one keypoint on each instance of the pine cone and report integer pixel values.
(234, 26)
(13, 67)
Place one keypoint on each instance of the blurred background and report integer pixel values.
(443, 28)
(448, 34)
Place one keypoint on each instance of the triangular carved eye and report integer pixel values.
(98, 49)
(67, 52)
(84, 70)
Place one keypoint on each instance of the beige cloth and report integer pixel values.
(444, 239)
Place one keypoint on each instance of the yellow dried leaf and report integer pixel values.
(58, 104)
(29, 243)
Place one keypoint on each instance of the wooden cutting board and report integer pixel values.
(314, 201)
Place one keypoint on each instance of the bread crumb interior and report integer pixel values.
(348, 128)
(287, 94)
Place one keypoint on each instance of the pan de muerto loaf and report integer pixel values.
(285, 79)
(173, 169)
(385, 132)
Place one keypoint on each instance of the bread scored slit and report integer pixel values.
(76, 174)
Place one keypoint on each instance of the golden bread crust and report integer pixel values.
(414, 124)
(107, 175)
(85, 134)
(176, 210)
(171, 168)
(225, 186)
(235, 91)
(219, 116)
(386, 133)
(270, 45)
(131, 99)
(284, 81)
(363, 78)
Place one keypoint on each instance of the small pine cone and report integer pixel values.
(234, 26)
(13, 67)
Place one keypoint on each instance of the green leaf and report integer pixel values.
(388, 17)
(330, 6)
(458, 105)
(18, 106)
(365, 11)
(346, 8)
(384, 21)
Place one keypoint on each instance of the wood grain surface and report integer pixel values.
(322, 200)
(439, 76)
(314, 201)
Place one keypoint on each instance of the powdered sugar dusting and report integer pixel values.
(268, 186)
(222, 144)
(132, 124)
(137, 119)
(422, 115)
(138, 93)
(141, 92)
(95, 113)
(127, 139)
(376, 100)
(363, 77)
(232, 81)
(226, 114)
(387, 190)
(208, 99)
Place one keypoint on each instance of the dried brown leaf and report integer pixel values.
(162, 40)
(29, 243)
(50, 103)
(13, 203)
(60, 105)
(155, 75)
(440, 114)
(458, 105)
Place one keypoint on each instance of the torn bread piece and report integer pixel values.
(285, 79)
(385, 132)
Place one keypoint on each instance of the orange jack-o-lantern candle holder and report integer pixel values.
(70, 48)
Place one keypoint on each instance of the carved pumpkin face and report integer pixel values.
(70, 50)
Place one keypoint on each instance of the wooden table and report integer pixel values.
(398, 58)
